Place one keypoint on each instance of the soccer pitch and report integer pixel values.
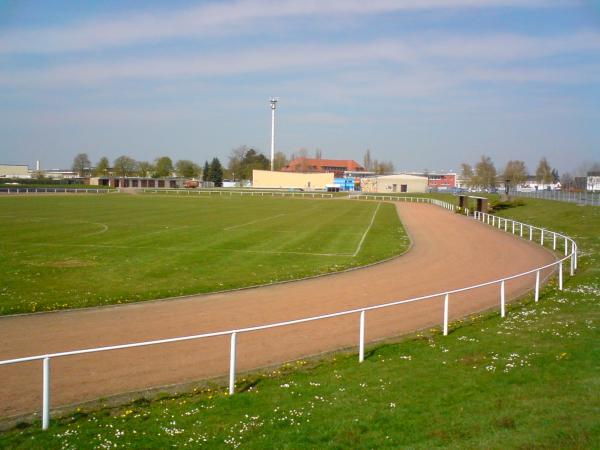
(62, 252)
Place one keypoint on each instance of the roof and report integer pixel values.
(401, 176)
(347, 164)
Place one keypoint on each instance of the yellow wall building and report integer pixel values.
(290, 180)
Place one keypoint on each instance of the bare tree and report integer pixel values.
(468, 175)
(303, 163)
(279, 161)
(367, 161)
(81, 164)
(485, 173)
(515, 173)
(543, 173)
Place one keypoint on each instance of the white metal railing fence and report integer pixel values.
(557, 239)
(582, 198)
(234, 192)
(40, 190)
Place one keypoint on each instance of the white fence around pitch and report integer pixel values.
(241, 193)
(19, 190)
(589, 198)
(516, 228)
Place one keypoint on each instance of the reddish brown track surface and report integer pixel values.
(449, 251)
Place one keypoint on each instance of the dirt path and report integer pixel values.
(449, 251)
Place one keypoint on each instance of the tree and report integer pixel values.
(302, 160)
(543, 173)
(164, 166)
(468, 175)
(124, 166)
(187, 169)
(485, 173)
(279, 161)
(243, 160)
(145, 168)
(384, 167)
(102, 167)
(367, 162)
(205, 171)
(216, 172)
(318, 153)
(555, 176)
(234, 163)
(566, 181)
(81, 164)
(515, 173)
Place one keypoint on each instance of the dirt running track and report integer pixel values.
(449, 251)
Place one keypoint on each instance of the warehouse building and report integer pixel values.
(394, 183)
(14, 171)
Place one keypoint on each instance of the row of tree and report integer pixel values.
(124, 166)
(241, 162)
(485, 176)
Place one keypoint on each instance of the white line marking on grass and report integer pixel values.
(253, 222)
(179, 250)
(362, 240)
(103, 226)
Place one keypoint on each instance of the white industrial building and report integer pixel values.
(394, 183)
(14, 171)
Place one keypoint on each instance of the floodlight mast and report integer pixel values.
(273, 102)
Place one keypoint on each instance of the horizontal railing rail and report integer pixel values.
(516, 228)
(235, 192)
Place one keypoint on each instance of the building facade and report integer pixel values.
(14, 171)
(386, 184)
(290, 180)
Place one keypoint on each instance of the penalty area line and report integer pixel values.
(362, 240)
(253, 222)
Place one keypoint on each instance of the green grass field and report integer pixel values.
(78, 251)
(530, 381)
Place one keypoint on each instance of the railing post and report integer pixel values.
(572, 268)
(560, 276)
(553, 241)
(542, 238)
(530, 233)
(446, 315)
(537, 285)
(361, 338)
(46, 394)
(575, 254)
(505, 224)
(232, 361)
(513, 227)
(521, 229)
(502, 300)
(566, 247)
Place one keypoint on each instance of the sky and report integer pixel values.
(426, 84)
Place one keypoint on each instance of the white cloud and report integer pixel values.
(218, 18)
(423, 60)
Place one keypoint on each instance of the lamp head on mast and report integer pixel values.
(273, 102)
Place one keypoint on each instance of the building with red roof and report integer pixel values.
(337, 166)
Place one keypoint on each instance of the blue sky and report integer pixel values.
(426, 84)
